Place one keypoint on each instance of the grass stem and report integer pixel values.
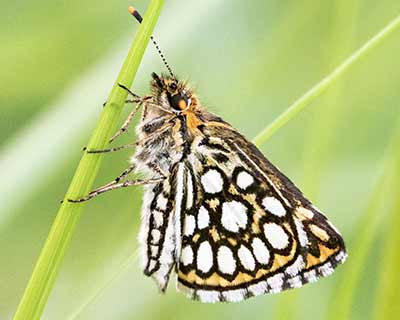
(44, 274)
(321, 86)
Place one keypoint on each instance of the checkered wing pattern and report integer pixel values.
(245, 229)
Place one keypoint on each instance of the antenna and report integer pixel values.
(139, 18)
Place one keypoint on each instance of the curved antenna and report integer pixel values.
(139, 18)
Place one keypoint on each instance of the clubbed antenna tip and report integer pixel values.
(135, 13)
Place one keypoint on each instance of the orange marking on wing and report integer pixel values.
(215, 279)
(214, 234)
(325, 253)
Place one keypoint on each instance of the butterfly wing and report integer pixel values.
(246, 228)
(158, 236)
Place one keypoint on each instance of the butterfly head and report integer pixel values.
(172, 94)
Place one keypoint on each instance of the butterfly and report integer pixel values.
(217, 215)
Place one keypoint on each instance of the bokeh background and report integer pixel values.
(249, 61)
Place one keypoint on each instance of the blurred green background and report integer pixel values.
(248, 61)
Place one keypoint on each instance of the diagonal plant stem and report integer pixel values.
(268, 132)
(321, 86)
(44, 274)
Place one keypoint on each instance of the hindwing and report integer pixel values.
(158, 235)
(245, 228)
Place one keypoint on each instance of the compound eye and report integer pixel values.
(179, 102)
(173, 86)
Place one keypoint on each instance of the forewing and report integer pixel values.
(158, 236)
(246, 228)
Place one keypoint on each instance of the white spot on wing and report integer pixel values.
(301, 233)
(226, 262)
(190, 225)
(203, 218)
(212, 181)
(204, 257)
(208, 296)
(244, 180)
(152, 264)
(295, 282)
(260, 251)
(341, 256)
(276, 282)
(258, 288)
(276, 189)
(246, 258)
(311, 276)
(274, 206)
(234, 216)
(187, 255)
(178, 208)
(319, 232)
(276, 236)
(162, 202)
(234, 295)
(326, 269)
(158, 218)
(305, 212)
(295, 267)
(153, 250)
(155, 236)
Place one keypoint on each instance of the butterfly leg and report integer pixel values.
(129, 91)
(123, 129)
(127, 122)
(116, 185)
(126, 101)
(113, 186)
(130, 145)
(118, 179)
(136, 99)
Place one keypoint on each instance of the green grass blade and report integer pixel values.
(320, 87)
(341, 307)
(42, 280)
(388, 295)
